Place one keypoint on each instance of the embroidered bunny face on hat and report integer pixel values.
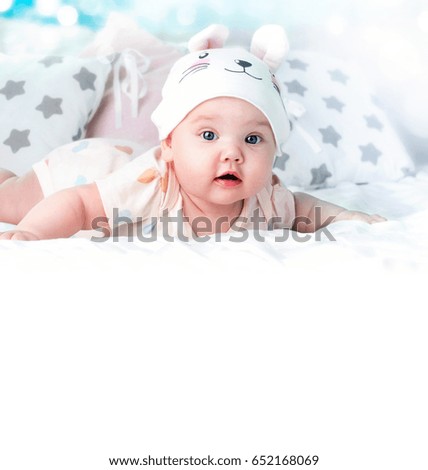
(202, 60)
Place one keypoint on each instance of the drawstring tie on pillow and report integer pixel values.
(132, 84)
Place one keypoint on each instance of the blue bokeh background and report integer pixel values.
(175, 15)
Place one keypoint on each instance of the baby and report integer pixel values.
(221, 123)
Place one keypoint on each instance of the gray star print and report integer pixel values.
(50, 106)
(12, 89)
(51, 60)
(295, 87)
(370, 153)
(338, 76)
(334, 103)
(86, 79)
(330, 136)
(280, 161)
(373, 122)
(18, 139)
(320, 174)
(297, 64)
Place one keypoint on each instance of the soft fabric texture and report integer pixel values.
(140, 69)
(338, 134)
(45, 102)
(226, 72)
(82, 162)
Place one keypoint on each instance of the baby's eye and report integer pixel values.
(253, 139)
(209, 135)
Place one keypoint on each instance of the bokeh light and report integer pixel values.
(5, 5)
(47, 7)
(67, 15)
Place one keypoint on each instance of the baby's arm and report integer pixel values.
(60, 215)
(313, 213)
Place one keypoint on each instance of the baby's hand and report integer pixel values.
(18, 235)
(357, 215)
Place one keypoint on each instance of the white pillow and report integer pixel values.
(45, 102)
(338, 134)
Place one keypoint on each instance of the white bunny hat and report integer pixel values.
(207, 73)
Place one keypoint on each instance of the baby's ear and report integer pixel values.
(270, 44)
(209, 38)
(166, 149)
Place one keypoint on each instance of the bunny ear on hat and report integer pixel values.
(270, 44)
(212, 37)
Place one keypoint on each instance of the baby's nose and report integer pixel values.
(233, 154)
(243, 63)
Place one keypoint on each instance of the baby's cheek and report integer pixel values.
(265, 174)
(260, 182)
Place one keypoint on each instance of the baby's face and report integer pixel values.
(222, 152)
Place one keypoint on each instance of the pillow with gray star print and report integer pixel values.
(338, 133)
(46, 102)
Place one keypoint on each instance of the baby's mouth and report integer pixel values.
(228, 179)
